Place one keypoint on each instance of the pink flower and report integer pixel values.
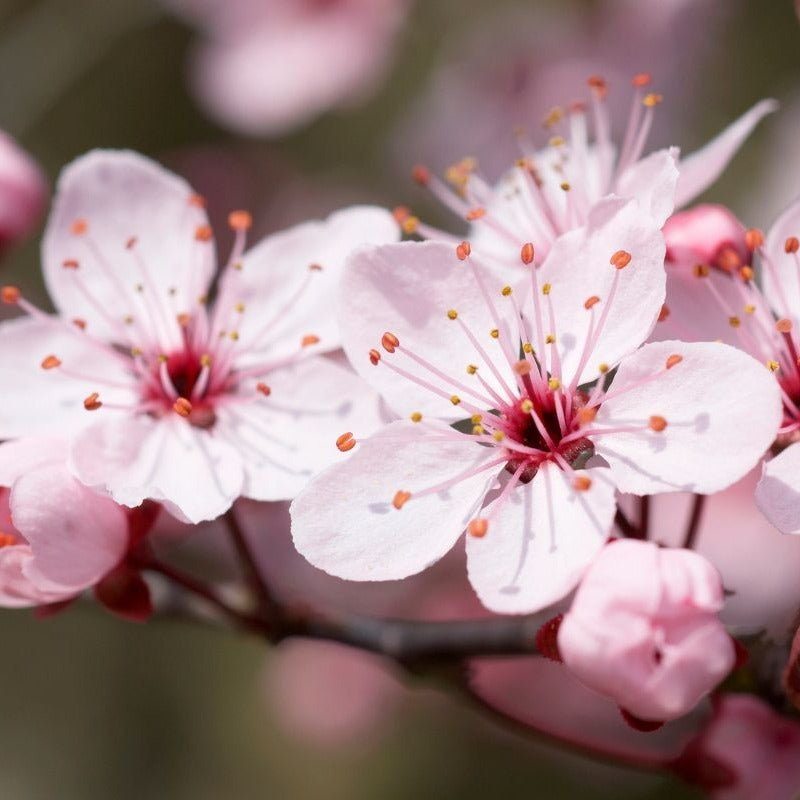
(553, 190)
(747, 752)
(269, 66)
(23, 192)
(708, 240)
(643, 629)
(519, 470)
(57, 537)
(196, 405)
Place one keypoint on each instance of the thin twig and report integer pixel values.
(644, 516)
(629, 530)
(693, 528)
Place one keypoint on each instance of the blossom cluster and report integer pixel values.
(527, 383)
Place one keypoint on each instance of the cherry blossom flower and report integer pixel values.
(544, 437)
(23, 192)
(267, 67)
(166, 396)
(747, 752)
(551, 191)
(643, 629)
(58, 537)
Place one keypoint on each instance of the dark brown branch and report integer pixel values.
(695, 519)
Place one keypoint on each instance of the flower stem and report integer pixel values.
(693, 528)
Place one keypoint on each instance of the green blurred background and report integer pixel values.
(96, 708)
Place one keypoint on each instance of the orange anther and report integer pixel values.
(652, 99)
(657, 423)
(582, 483)
(701, 270)
(641, 79)
(586, 415)
(400, 499)
(463, 250)
(409, 225)
(664, 313)
(620, 259)
(7, 539)
(598, 85)
(70, 263)
(421, 175)
(753, 239)
(374, 357)
(240, 220)
(783, 325)
(475, 213)
(746, 274)
(309, 339)
(728, 259)
(79, 226)
(79, 323)
(389, 342)
(92, 402)
(478, 527)
(263, 388)
(203, 233)
(673, 360)
(50, 362)
(401, 213)
(182, 407)
(197, 200)
(10, 295)
(527, 253)
(346, 442)
(315, 267)
(131, 243)
(591, 301)
(792, 244)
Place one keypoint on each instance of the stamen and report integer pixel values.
(263, 388)
(478, 527)
(346, 442)
(400, 499)
(240, 220)
(50, 362)
(621, 259)
(182, 407)
(657, 423)
(308, 340)
(92, 402)
(10, 295)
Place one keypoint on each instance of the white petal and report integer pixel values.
(579, 267)
(722, 408)
(778, 491)
(286, 438)
(783, 294)
(541, 541)
(195, 474)
(408, 289)
(344, 522)
(275, 282)
(121, 196)
(47, 402)
(701, 168)
(652, 181)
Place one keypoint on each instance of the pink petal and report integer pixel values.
(408, 289)
(578, 267)
(122, 197)
(722, 409)
(778, 491)
(16, 589)
(19, 457)
(286, 438)
(45, 402)
(701, 168)
(275, 271)
(76, 535)
(652, 181)
(23, 192)
(540, 543)
(344, 522)
(195, 474)
(780, 273)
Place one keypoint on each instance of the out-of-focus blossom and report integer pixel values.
(643, 629)
(198, 405)
(23, 192)
(508, 68)
(57, 537)
(553, 190)
(747, 752)
(328, 694)
(268, 66)
(672, 419)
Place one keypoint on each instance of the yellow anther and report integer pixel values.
(546, 289)
(416, 417)
(234, 336)
(475, 419)
(472, 369)
(205, 360)
(136, 351)
(455, 399)
(527, 347)
(494, 333)
(549, 339)
(565, 186)
(652, 99)
(239, 308)
(554, 384)
(556, 141)
(734, 321)
(498, 436)
(773, 366)
(750, 309)
(477, 430)
(452, 314)
(526, 406)
(554, 116)
(602, 368)
(506, 291)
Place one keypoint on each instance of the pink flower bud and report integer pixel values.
(706, 234)
(23, 192)
(747, 751)
(643, 629)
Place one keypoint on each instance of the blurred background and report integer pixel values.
(292, 108)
